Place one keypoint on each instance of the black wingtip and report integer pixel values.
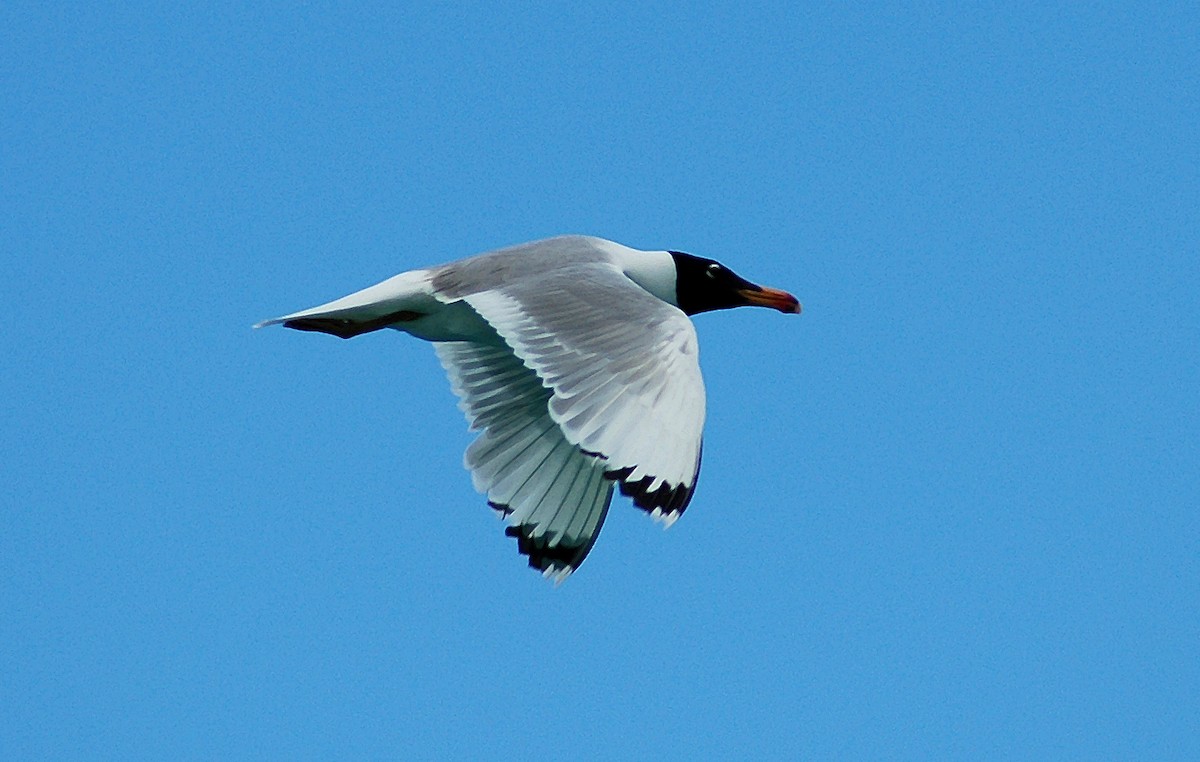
(545, 556)
(551, 555)
(666, 498)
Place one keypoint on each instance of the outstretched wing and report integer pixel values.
(622, 368)
(554, 496)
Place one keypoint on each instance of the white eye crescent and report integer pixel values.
(711, 270)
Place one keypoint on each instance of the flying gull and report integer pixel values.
(575, 360)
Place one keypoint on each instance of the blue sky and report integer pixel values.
(949, 511)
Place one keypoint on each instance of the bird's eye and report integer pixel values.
(712, 270)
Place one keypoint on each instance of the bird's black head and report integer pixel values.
(703, 284)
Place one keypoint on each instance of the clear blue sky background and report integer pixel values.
(950, 511)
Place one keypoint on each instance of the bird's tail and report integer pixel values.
(395, 300)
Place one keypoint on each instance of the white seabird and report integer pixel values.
(575, 360)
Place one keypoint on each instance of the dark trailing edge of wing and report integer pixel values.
(543, 553)
(666, 498)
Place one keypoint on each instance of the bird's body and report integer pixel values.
(575, 359)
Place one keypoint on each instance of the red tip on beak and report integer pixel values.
(773, 298)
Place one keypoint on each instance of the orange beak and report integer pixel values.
(771, 297)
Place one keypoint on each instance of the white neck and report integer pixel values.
(652, 270)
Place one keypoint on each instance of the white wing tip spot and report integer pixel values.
(665, 518)
(557, 574)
